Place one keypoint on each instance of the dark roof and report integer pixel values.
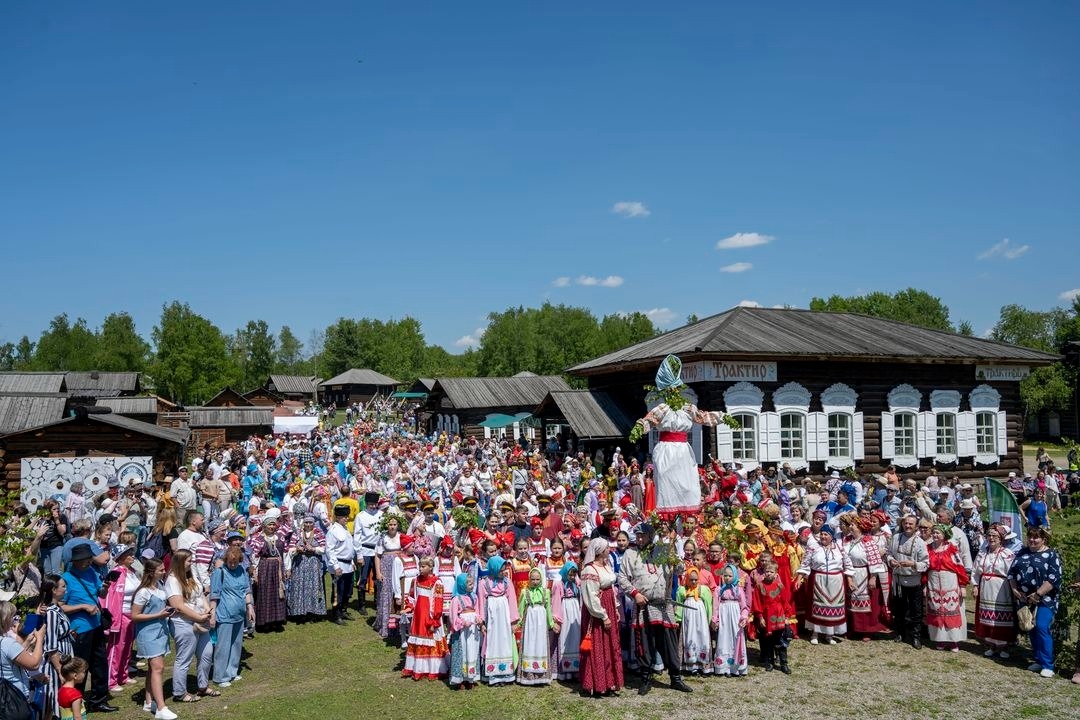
(19, 412)
(776, 332)
(228, 394)
(102, 384)
(498, 392)
(591, 414)
(176, 435)
(294, 384)
(360, 377)
(32, 382)
(230, 416)
(426, 383)
(130, 405)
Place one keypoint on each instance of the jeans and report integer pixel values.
(91, 647)
(230, 641)
(363, 573)
(190, 645)
(52, 561)
(1042, 644)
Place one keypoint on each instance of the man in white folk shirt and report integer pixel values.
(365, 538)
(340, 554)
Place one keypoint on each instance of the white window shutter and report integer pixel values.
(817, 437)
(725, 446)
(858, 444)
(697, 443)
(487, 433)
(455, 424)
(926, 434)
(770, 437)
(888, 436)
(517, 431)
(1002, 434)
(965, 434)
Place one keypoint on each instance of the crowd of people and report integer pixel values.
(495, 561)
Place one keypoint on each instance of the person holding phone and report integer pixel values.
(53, 527)
(151, 613)
(18, 659)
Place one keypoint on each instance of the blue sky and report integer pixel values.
(298, 162)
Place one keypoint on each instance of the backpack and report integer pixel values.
(156, 544)
(13, 704)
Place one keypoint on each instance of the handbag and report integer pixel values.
(586, 643)
(1025, 618)
(106, 615)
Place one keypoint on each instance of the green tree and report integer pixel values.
(438, 362)
(24, 354)
(964, 328)
(191, 361)
(916, 307)
(1030, 328)
(64, 346)
(7, 356)
(120, 347)
(253, 350)
(509, 344)
(1047, 387)
(290, 354)
(622, 330)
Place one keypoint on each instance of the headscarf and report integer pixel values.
(596, 545)
(461, 585)
(564, 573)
(666, 376)
(494, 569)
(734, 584)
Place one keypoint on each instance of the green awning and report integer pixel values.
(498, 420)
(409, 395)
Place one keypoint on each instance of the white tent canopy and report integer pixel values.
(297, 425)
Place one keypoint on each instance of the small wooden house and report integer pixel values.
(355, 386)
(221, 425)
(459, 405)
(97, 384)
(294, 387)
(262, 397)
(228, 398)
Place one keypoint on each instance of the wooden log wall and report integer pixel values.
(872, 382)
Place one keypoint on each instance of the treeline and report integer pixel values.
(188, 359)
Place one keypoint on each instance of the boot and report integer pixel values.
(783, 661)
(646, 684)
(335, 617)
(916, 638)
(362, 605)
(677, 683)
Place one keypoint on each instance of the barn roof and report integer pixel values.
(227, 395)
(19, 412)
(776, 332)
(360, 377)
(32, 382)
(176, 435)
(130, 405)
(102, 384)
(496, 392)
(426, 383)
(230, 416)
(591, 414)
(294, 384)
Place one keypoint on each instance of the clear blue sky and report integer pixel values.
(298, 162)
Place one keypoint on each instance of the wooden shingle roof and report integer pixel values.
(778, 333)
(130, 405)
(498, 392)
(590, 413)
(129, 425)
(32, 382)
(230, 416)
(102, 384)
(19, 412)
(294, 384)
(360, 377)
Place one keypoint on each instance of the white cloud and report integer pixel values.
(611, 281)
(737, 267)
(660, 316)
(561, 281)
(744, 240)
(1005, 250)
(630, 209)
(749, 303)
(471, 340)
(1069, 295)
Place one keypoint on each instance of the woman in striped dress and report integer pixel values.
(825, 564)
(387, 548)
(57, 643)
(268, 550)
(995, 612)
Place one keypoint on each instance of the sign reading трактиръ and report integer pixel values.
(727, 370)
(1001, 373)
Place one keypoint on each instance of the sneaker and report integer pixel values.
(1034, 667)
(236, 678)
(831, 641)
(225, 684)
(1004, 654)
(814, 640)
(989, 653)
(954, 648)
(165, 714)
(1046, 673)
(148, 706)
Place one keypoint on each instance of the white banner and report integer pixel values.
(44, 477)
(729, 370)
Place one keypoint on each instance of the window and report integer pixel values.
(986, 433)
(904, 439)
(839, 435)
(946, 433)
(792, 436)
(744, 438)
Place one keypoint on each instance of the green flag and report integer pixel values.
(1002, 506)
